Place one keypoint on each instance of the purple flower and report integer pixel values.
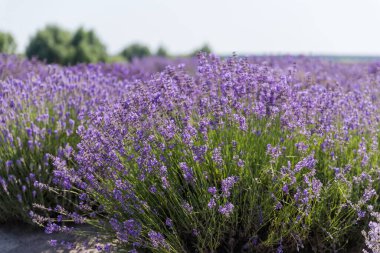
(280, 249)
(241, 121)
(227, 184)
(187, 172)
(51, 228)
(169, 222)
(107, 247)
(157, 239)
(19, 198)
(53, 243)
(372, 237)
(240, 163)
(285, 188)
(195, 232)
(212, 203)
(361, 214)
(273, 152)
(308, 162)
(368, 194)
(226, 209)
(187, 207)
(212, 190)
(217, 156)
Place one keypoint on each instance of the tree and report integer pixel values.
(87, 47)
(7, 43)
(135, 51)
(161, 51)
(52, 44)
(205, 48)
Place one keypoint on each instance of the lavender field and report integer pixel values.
(206, 154)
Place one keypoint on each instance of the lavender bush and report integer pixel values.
(41, 108)
(265, 154)
(241, 157)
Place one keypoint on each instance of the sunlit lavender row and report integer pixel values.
(258, 154)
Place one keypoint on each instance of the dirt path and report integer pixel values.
(18, 238)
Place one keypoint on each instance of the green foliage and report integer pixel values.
(205, 48)
(7, 43)
(52, 44)
(87, 47)
(135, 51)
(161, 51)
(115, 59)
(56, 45)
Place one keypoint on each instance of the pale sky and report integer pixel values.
(244, 26)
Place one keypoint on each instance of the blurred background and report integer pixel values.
(74, 31)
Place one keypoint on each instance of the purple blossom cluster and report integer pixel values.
(42, 110)
(197, 157)
(177, 120)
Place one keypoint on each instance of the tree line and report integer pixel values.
(53, 44)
